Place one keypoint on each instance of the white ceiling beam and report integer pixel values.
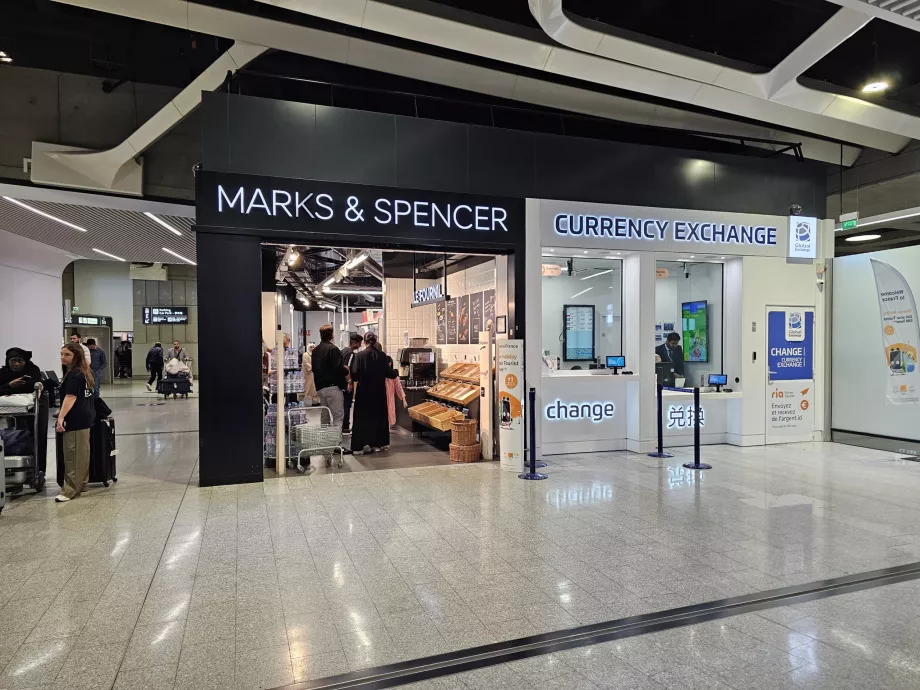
(829, 35)
(412, 64)
(907, 20)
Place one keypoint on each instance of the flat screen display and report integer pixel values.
(718, 379)
(165, 315)
(578, 333)
(695, 339)
(618, 361)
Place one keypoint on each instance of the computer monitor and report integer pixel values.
(718, 380)
(616, 362)
(664, 373)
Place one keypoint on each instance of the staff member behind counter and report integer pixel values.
(672, 352)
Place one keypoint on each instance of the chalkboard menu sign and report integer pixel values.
(452, 321)
(475, 316)
(463, 320)
(441, 323)
(488, 309)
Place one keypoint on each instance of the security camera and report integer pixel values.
(795, 210)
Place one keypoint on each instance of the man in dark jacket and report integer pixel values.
(19, 374)
(354, 344)
(123, 359)
(97, 363)
(155, 365)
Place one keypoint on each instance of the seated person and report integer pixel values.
(19, 374)
(672, 352)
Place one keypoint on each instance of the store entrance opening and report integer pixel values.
(370, 354)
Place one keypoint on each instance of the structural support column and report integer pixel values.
(229, 358)
(639, 348)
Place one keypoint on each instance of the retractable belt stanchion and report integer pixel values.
(660, 453)
(533, 474)
(696, 464)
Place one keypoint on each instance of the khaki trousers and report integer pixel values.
(76, 462)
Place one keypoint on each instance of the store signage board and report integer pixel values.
(609, 226)
(429, 295)
(511, 404)
(251, 201)
(790, 344)
(165, 315)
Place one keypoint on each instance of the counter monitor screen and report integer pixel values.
(618, 361)
(718, 379)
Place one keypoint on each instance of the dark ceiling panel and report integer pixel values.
(758, 32)
(881, 50)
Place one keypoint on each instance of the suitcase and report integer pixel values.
(174, 386)
(101, 453)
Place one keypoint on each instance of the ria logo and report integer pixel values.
(803, 231)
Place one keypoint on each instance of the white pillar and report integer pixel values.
(639, 348)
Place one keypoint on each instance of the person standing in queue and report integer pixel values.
(329, 374)
(75, 420)
(348, 356)
(77, 339)
(371, 430)
(97, 363)
(155, 365)
(672, 352)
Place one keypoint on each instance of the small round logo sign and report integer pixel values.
(889, 329)
(511, 381)
(804, 404)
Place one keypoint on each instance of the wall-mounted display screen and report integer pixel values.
(165, 315)
(696, 331)
(578, 335)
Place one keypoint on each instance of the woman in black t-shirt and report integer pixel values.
(76, 417)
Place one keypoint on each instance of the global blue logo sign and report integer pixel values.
(802, 231)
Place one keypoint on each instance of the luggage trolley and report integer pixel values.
(24, 470)
(317, 436)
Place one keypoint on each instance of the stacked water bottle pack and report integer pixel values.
(296, 414)
(291, 359)
(293, 382)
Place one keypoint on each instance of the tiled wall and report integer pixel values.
(181, 289)
(420, 322)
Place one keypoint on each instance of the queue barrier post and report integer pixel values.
(533, 474)
(696, 464)
(660, 453)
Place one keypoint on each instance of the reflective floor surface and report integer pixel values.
(156, 583)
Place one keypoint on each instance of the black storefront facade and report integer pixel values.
(277, 171)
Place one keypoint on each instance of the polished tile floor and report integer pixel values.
(157, 583)
(861, 641)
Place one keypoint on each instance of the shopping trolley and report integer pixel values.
(26, 470)
(317, 436)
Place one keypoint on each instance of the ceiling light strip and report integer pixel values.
(111, 256)
(43, 214)
(580, 293)
(162, 222)
(597, 274)
(179, 256)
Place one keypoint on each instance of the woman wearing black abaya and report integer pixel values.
(370, 430)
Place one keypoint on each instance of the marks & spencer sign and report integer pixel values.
(253, 202)
(605, 226)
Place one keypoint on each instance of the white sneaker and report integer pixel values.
(149, 387)
(61, 498)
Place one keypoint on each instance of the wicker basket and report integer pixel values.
(464, 453)
(463, 432)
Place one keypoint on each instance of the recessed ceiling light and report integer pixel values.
(163, 223)
(43, 214)
(692, 256)
(111, 256)
(721, 257)
(6, 59)
(586, 251)
(179, 256)
(862, 238)
(2, 54)
(875, 87)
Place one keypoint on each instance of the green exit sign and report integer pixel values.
(849, 224)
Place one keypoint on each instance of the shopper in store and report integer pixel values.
(348, 355)
(155, 365)
(309, 382)
(329, 374)
(123, 355)
(97, 363)
(671, 351)
(371, 429)
(394, 391)
(75, 419)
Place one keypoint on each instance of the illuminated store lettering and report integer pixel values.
(622, 227)
(593, 411)
(681, 416)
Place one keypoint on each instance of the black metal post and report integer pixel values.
(660, 453)
(697, 415)
(533, 474)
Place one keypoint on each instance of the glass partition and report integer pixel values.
(582, 311)
(688, 302)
